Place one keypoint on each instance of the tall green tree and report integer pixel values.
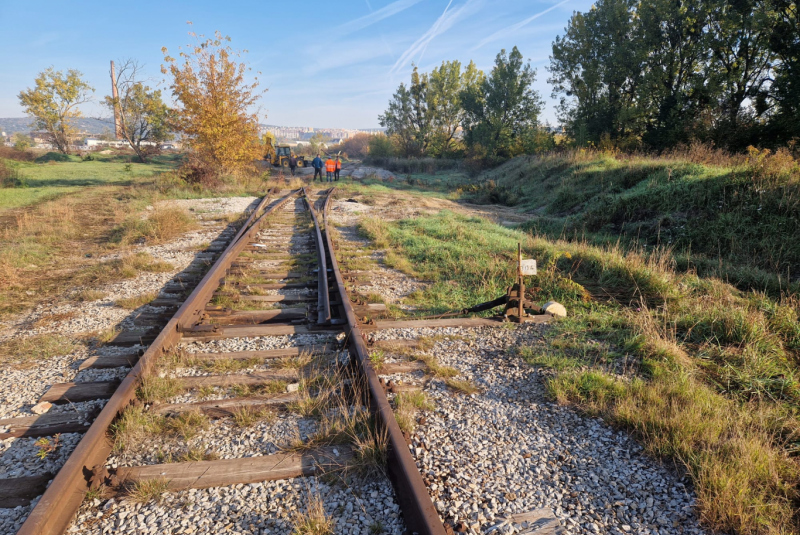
(409, 116)
(674, 93)
(596, 69)
(144, 118)
(741, 68)
(445, 85)
(785, 44)
(503, 110)
(53, 103)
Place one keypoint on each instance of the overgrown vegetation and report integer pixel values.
(702, 372)
(33, 349)
(160, 225)
(733, 217)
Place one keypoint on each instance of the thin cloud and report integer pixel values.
(376, 16)
(505, 32)
(445, 21)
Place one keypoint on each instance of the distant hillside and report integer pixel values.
(85, 124)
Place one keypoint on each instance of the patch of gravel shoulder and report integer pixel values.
(510, 450)
(256, 343)
(357, 508)
(11, 519)
(18, 456)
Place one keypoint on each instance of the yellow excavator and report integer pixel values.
(279, 156)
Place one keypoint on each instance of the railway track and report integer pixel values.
(278, 279)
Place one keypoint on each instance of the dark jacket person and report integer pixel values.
(317, 164)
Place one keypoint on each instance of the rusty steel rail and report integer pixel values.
(323, 297)
(419, 512)
(62, 499)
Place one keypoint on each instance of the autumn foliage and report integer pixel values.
(216, 115)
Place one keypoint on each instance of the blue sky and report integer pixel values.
(326, 64)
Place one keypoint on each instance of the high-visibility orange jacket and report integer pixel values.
(338, 164)
(330, 166)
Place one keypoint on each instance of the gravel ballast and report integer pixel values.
(509, 450)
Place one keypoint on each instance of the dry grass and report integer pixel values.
(135, 426)
(249, 416)
(132, 303)
(463, 387)
(160, 225)
(154, 388)
(314, 520)
(406, 407)
(87, 295)
(147, 490)
(24, 352)
(434, 368)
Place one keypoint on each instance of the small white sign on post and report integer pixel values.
(528, 267)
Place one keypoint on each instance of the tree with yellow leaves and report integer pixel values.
(217, 115)
(54, 102)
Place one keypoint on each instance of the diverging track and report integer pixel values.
(269, 327)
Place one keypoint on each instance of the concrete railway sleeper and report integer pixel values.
(259, 385)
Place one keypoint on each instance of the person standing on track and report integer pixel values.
(330, 168)
(292, 163)
(338, 168)
(316, 163)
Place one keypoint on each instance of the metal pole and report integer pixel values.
(521, 282)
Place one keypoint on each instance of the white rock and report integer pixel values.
(41, 407)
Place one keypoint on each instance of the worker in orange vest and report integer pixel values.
(330, 167)
(338, 168)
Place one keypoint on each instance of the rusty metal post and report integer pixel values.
(521, 282)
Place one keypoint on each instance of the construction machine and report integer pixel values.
(279, 156)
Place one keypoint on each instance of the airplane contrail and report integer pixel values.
(505, 32)
(376, 16)
(440, 26)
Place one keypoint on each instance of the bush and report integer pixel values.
(429, 166)
(10, 177)
(11, 153)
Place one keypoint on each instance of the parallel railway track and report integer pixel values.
(318, 310)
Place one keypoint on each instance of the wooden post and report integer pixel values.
(521, 283)
(115, 96)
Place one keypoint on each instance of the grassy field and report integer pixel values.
(702, 372)
(68, 213)
(48, 179)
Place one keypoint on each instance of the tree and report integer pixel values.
(503, 111)
(21, 141)
(674, 94)
(54, 102)
(380, 146)
(596, 67)
(785, 44)
(356, 146)
(318, 143)
(216, 114)
(408, 116)
(143, 115)
(445, 85)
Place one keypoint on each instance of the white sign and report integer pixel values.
(528, 267)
